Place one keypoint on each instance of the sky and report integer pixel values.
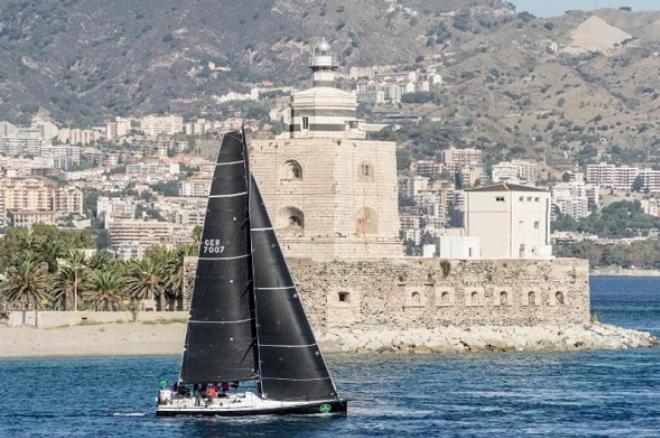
(551, 8)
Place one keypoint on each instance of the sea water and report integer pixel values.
(602, 393)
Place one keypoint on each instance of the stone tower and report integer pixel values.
(331, 194)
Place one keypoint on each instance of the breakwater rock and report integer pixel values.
(591, 336)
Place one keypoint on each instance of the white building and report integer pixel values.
(651, 206)
(459, 247)
(609, 175)
(515, 171)
(154, 125)
(117, 128)
(194, 187)
(511, 221)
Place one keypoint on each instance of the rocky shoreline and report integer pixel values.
(139, 339)
(620, 272)
(592, 336)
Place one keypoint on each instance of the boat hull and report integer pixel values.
(306, 408)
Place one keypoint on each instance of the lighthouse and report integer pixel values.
(324, 111)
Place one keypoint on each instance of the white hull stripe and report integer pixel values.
(230, 195)
(261, 229)
(296, 380)
(275, 288)
(288, 346)
(195, 321)
(229, 163)
(225, 258)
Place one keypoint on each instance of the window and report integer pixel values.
(529, 199)
(537, 199)
(521, 199)
(536, 225)
(499, 198)
(365, 170)
(305, 123)
(531, 298)
(290, 219)
(504, 298)
(344, 297)
(291, 170)
(445, 298)
(560, 298)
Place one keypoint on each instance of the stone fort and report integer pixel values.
(332, 197)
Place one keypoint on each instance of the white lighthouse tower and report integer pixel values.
(324, 111)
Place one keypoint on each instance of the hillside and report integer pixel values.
(530, 85)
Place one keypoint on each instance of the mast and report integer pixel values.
(290, 363)
(248, 174)
(221, 329)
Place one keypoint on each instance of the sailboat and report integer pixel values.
(247, 325)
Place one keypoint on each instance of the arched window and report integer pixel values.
(366, 221)
(291, 170)
(291, 219)
(344, 297)
(445, 298)
(504, 298)
(531, 298)
(559, 296)
(416, 298)
(474, 298)
(366, 172)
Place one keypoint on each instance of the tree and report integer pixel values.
(27, 284)
(197, 234)
(638, 185)
(175, 274)
(69, 280)
(100, 260)
(146, 280)
(105, 291)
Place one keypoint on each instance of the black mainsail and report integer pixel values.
(291, 364)
(220, 339)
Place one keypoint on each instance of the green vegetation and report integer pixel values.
(44, 268)
(166, 188)
(419, 97)
(617, 220)
(643, 254)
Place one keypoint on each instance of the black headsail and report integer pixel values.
(220, 341)
(291, 365)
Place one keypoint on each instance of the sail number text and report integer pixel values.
(213, 246)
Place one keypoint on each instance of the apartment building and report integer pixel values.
(154, 125)
(521, 171)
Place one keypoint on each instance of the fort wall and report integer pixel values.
(425, 293)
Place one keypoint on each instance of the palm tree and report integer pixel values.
(145, 280)
(27, 283)
(69, 279)
(175, 274)
(99, 260)
(105, 290)
(197, 235)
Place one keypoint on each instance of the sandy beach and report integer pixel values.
(127, 339)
